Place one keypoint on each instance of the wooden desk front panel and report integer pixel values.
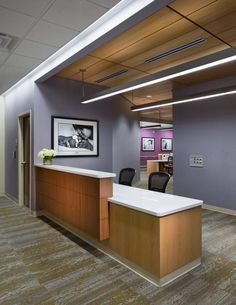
(159, 245)
(135, 236)
(77, 200)
(180, 239)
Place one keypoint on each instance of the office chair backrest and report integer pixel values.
(157, 181)
(126, 176)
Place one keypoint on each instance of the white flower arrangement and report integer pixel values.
(46, 155)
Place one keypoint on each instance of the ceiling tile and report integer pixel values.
(51, 34)
(74, 14)
(29, 7)
(9, 76)
(22, 62)
(3, 56)
(34, 50)
(105, 3)
(13, 23)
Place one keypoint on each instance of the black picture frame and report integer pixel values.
(74, 137)
(147, 144)
(166, 144)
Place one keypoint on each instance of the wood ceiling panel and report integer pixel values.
(154, 23)
(128, 76)
(83, 63)
(213, 13)
(156, 40)
(187, 7)
(99, 68)
(211, 46)
(223, 24)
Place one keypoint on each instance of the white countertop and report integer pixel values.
(78, 171)
(150, 202)
(157, 160)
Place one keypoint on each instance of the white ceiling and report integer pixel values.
(39, 28)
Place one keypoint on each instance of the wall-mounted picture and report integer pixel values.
(166, 144)
(74, 137)
(148, 144)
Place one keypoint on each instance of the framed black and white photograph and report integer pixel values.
(148, 144)
(74, 137)
(166, 144)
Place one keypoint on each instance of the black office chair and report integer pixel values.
(126, 176)
(157, 181)
(169, 165)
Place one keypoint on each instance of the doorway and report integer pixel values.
(24, 160)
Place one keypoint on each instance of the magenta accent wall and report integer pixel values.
(157, 134)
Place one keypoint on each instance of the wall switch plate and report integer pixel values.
(196, 160)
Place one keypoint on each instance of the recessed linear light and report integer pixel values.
(181, 101)
(150, 81)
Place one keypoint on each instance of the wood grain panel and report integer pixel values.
(83, 63)
(187, 7)
(180, 239)
(156, 22)
(135, 236)
(213, 12)
(159, 245)
(78, 200)
(146, 47)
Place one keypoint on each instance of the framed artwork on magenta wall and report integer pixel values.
(74, 137)
(166, 144)
(147, 144)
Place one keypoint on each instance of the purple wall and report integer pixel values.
(157, 134)
(118, 127)
(206, 128)
(16, 103)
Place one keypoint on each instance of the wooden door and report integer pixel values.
(26, 160)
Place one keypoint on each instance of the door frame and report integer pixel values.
(21, 116)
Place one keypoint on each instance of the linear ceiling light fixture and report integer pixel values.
(154, 79)
(180, 101)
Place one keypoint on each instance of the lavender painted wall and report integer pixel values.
(18, 101)
(118, 126)
(157, 134)
(208, 129)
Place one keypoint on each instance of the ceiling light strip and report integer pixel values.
(161, 79)
(175, 102)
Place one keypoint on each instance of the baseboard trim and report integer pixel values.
(219, 209)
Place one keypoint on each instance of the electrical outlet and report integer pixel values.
(196, 160)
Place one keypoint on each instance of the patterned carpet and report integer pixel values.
(41, 263)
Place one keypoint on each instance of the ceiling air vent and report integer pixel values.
(176, 50)
(115, 74)
(7, 42)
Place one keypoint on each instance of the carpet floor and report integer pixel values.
(42, 263)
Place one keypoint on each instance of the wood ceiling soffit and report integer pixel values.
(132, 74)
(212, 12)
(149, 44)
(187, 7)
(83, 63)
(153, 24)
(223, 24)
(98, 70)
(213, 46)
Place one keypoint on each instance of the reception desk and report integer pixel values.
(157, 235)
